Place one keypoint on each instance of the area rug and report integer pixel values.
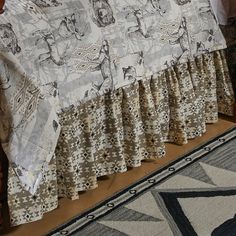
(195, 195)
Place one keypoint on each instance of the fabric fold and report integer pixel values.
(29, 125)
(109, 133)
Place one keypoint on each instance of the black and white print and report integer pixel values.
(8, 39)
(47, 3)
(61, 54)
(102, 13)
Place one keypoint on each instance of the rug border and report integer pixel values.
(119, 193)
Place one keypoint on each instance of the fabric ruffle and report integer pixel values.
(120, 129)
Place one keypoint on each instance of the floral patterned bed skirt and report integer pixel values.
(107, 134)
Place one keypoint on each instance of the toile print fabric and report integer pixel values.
(120, 129)
(57, 57)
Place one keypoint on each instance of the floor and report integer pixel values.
(111, 184)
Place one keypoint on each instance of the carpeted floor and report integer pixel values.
(195, 195)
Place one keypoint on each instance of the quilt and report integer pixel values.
(56, 54)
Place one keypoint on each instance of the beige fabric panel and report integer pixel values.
(124, 127)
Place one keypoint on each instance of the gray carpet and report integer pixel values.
(195, 195)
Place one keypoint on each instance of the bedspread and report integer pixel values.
(57, 54)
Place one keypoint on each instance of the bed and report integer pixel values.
(89, 88)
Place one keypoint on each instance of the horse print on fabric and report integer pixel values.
(104, 65)
(102, 13)
(130, 73)
(153, 6)
(201, 47)
(140, 27)
(205, 12)
(182, 2)
(52, 54)
(132, 67)
(181, 36)
(8, 39)
(206, 36)
(67, 28)
(46, 3)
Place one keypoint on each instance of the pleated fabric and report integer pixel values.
(109, 133)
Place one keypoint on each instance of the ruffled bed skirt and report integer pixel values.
(109, 133)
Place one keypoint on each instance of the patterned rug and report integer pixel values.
(195, 195)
